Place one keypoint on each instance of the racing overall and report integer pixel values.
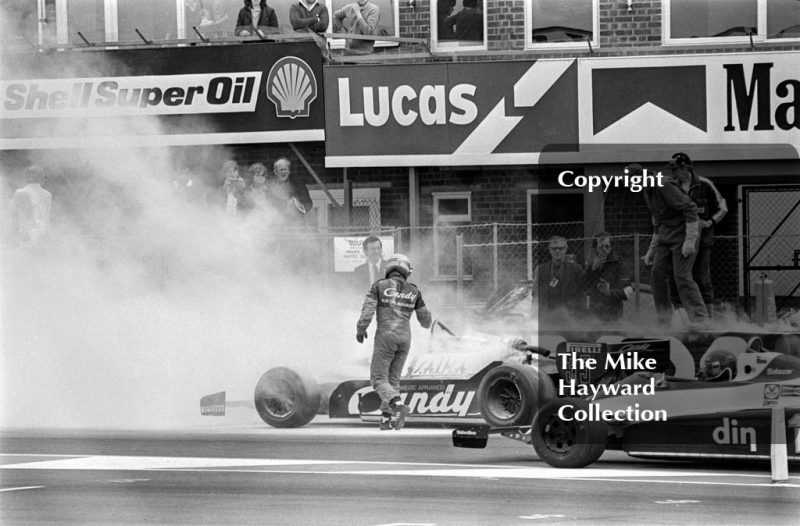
(394, 299)
(712, 208)
(672, 209)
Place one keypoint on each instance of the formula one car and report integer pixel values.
(460, 380)
(726, 412)
(441, 386)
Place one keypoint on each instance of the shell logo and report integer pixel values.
(292, 87)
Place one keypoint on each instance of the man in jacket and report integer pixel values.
(394, 299)
(374, 268)
(309, 14)
(359, 18)
(673, 247)
(288, 195)
(557, 284)
(608, 281)
(252, 18)
(711, 209)
(30, 208)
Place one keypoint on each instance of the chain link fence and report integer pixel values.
(497, 255)
(366, 212)
(733, 274)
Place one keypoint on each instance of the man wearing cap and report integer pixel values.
(711, 209)
(673, 247)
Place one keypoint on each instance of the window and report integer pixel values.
(783, 19)
(561, 24)
(366, 208)
(86, 17)
(25, 31)
(458, 25)
(452, 207)
(216, 18)
(732, 21)
(451, 211)
(155, 20)
(116, 21)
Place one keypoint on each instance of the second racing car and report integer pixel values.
(742, 401)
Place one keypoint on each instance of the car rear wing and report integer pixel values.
(215, 404)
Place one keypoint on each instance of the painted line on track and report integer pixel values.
(19, 489)
(255, 465)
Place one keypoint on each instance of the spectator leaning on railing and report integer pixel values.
(309, 14)
(359, 18)
(258, 15)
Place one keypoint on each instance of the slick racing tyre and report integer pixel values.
(510, 395)
(567, 443)
(287, 398)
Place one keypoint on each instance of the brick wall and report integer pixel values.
(505, 21)
(639, 28)
(415, 22)
(626, 212)
(621, 33)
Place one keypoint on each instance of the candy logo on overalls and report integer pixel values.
(392, 293)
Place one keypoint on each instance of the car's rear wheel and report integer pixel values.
(566, 442)
(287, 398)
(510, 395)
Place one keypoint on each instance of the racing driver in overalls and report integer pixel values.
(394, 299)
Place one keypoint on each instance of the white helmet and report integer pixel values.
(717, 365)
(400, 263)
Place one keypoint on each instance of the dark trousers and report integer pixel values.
(669, 261)
(388, 359)
(701, 273)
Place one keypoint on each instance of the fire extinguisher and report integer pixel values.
(765, 300)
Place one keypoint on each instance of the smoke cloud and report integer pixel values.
(141, 302)
(126, 317)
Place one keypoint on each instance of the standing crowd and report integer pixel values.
(258, 192)
(102, 206)
(684, 212)
(359, 18)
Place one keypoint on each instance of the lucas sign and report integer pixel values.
(450, 114)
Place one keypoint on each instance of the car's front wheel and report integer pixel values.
(287, 398)
(566, 442)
